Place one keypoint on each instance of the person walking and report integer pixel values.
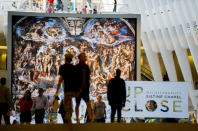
(67, 74)
(40, 105)
(26, 103)
(99, 110)
(5, 101)
(116, 95)
(83, 77)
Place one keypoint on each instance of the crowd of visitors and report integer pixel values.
(76, 84)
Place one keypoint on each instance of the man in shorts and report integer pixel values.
(67, 74)
(83, 77)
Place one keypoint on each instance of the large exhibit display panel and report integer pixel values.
(38, 42)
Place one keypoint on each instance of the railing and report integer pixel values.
(9, 5)
(21, 5)
(119, 8)
(28, 5)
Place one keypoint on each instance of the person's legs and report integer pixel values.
(63, 117)
(77, 108)
(6, 117)
(22, 118)
(36, 117)
(119, 108)
(102, 120)
(77, 112)
(68, 108)
(113, 111)
(85, 97)
(39, 116)
(114, 8)
(1, 113)
(28, 118)
(89, 110)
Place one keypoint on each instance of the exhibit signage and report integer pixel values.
(157, 99)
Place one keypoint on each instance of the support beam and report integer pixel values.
(152, 58)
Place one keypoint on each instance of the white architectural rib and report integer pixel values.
(146, 37)
(166, 55)
(147, 27)
(180, 52)
(187, 36)
(182, 58)
(187, 20)
(190, 6)
(162, 22)
(166, 22)
(175, 16)
(152, 58)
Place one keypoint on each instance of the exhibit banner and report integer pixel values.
(157, 99)
(194, 99)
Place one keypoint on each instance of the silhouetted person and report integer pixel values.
(116, 95)
(5, 101)
(25, 108)
(83, 77)
(115, 6)
(67, 74)
(40, 105)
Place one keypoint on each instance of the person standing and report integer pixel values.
(99, 110)
(85, 10)
(69, 6)
(5, 101)
(95, 10)
(25, 108)
(40, 105)
(67, 74)
(83, 77)
(115, 6)
(116, 95)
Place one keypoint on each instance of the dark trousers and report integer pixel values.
(63, 117)
(39, 116)
(115, 108)
(3, 112)
(114, 8)
(100, 120)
